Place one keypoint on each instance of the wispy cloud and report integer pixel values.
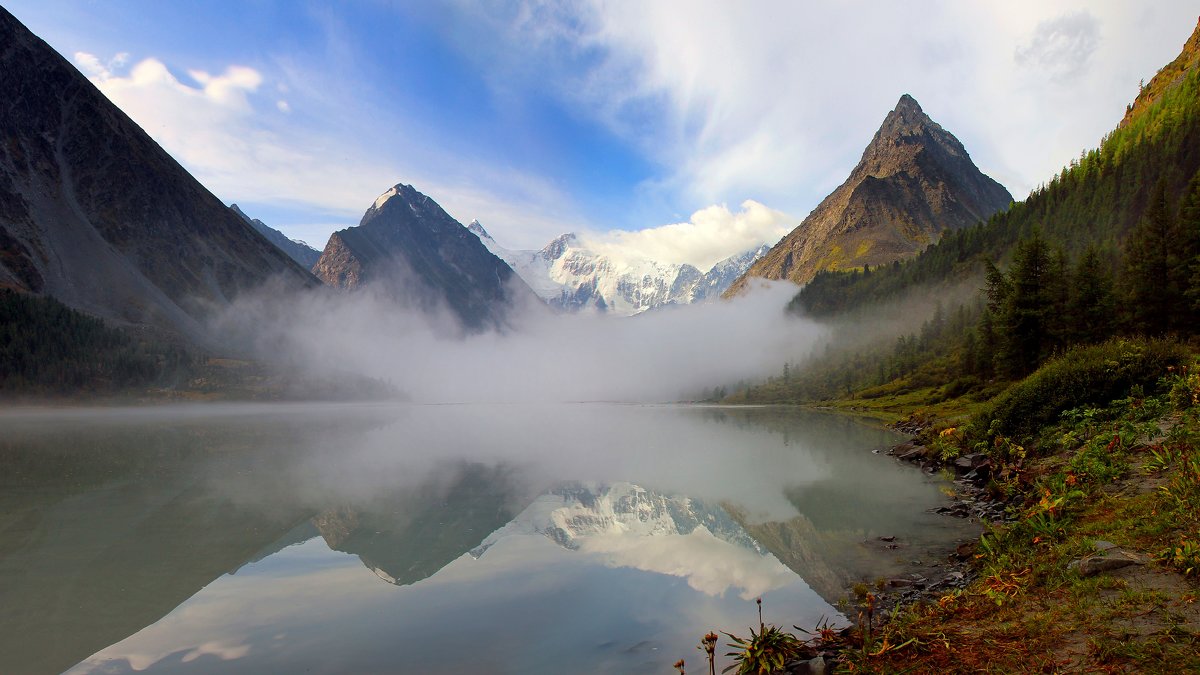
(221, 129)
(775, 101)
(1060, 47)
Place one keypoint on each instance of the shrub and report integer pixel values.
(1094, 375)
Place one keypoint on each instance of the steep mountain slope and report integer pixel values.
(407, 245)
(304, 255)
(96, 214)
(569, 276)
(915, 181)
(1167, 78)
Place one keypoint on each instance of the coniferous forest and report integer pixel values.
(49, 348)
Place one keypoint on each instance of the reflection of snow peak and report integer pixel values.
(627, 526)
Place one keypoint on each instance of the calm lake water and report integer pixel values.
(456, 539)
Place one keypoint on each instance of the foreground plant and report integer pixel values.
(708, 644)
(764, 652)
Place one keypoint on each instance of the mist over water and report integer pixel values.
(255, 537)
(671, 354)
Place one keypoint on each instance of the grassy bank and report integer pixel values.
(1097, 457)
(1098, 573)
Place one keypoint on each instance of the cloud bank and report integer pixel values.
(664, 355)
(709, 236)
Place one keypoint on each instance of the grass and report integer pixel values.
(902, 404)
(1129, 474)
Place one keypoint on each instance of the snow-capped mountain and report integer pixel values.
(569, 276)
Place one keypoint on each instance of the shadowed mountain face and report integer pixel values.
(96, 214)
(304, 255)
(407, 536)
(413, 249)
(914, 181)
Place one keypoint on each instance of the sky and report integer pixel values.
(682, 131)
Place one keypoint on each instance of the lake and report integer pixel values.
(438, 538)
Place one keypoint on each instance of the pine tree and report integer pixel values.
(1187, 263)
(1150, 282)
(1025, 299)
(1091, 313)
(989, 346)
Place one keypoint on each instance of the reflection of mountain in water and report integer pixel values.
(628, 526)
(407, 536)
(832, 543)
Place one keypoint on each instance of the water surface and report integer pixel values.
(474, 538)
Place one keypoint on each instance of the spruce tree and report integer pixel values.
(1150, 281)
(1092, 305)
(1023, 320)
(1187, 262)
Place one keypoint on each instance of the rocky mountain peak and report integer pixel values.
(915, 180)
(555, 249)
(477, 229)
(420, 255)
(906, 131)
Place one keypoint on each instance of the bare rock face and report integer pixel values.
(914, 181)
(96, 214)
(417, 253)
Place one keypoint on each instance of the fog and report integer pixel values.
(671, 354)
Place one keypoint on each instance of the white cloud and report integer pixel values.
(210, 125)
(710, 235)
(217, 126)
(710, 565)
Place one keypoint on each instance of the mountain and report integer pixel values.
(304, 255)
(94, 213)
(409, 535)
(625, 525)
(571, 277)
(1096, 200)
(407, 245)
(915, 181)
(576, 512)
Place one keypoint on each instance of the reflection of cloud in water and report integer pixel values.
(709, 564)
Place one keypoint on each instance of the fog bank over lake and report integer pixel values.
(292, 534)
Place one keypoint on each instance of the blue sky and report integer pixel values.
(610, 118)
